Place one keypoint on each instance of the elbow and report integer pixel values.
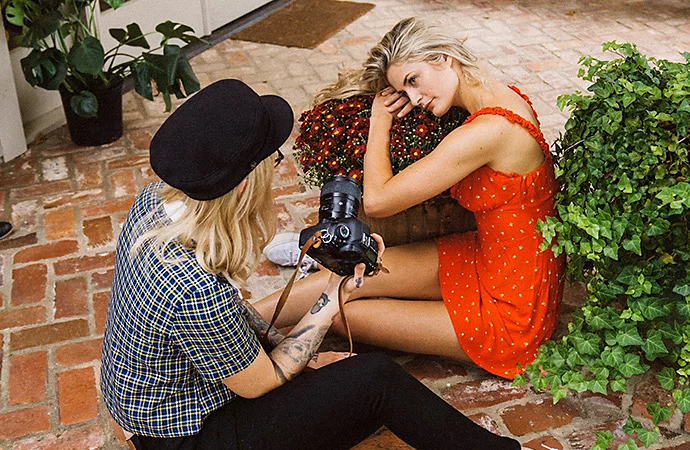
(374, 209)
(252, 395)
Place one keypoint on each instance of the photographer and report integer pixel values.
(182, 365)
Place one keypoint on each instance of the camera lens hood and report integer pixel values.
(342, 184)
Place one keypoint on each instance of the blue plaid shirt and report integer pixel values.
(173, 333)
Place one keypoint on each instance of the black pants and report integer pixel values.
(335, 408)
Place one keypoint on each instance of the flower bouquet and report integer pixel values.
(333, 139)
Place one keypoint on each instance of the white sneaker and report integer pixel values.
(284, 250)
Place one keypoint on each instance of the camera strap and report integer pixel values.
(315, 241)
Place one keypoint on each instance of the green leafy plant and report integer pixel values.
(623, 166)
(66, 51)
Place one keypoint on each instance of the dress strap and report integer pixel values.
(529, 102)
(531, 128)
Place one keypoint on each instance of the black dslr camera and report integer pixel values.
(345, 240)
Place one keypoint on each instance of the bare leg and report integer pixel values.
(413, 275)
(405, 325)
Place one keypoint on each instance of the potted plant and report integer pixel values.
(67, 55)
(332, 140)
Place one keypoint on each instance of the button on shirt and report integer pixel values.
(173, 333)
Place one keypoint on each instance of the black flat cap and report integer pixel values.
(217, 137)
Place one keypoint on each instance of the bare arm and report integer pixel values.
(295, 351)
(292, 355)
(260, 325)
(463, 151)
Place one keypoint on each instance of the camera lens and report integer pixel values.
(340, 198)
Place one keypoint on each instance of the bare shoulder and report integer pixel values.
(482, 131)
(503, 145)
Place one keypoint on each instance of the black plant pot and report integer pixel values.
(105, 127)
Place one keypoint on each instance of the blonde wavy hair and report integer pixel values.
(228, 233)
(410, 40)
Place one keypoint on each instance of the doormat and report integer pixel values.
(304, 23)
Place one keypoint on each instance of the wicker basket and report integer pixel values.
(435, 217)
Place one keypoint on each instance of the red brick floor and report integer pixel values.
(67, 204)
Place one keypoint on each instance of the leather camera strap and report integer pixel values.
(315, 241)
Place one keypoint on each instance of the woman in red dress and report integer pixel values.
(489, 297)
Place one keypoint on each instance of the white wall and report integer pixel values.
(12, 140)
(221, 12)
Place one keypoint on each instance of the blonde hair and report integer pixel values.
(228, 233)
(410, 40)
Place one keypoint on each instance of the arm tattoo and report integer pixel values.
(320, 303)
(260, 325)
(293, 354)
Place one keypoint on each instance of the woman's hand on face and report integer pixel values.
(395, 103)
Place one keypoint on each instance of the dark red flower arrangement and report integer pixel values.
(333, 137)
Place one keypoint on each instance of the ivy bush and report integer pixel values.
(622, 163)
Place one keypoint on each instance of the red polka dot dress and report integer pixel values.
(502, 293)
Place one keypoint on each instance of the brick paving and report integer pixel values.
(67, 204)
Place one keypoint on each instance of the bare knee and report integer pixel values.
(339, 326)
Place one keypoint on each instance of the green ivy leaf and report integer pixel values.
(588, 345)
(539, 383)
(683, 290)
(654, 346)
(556, 360)
(633, 245)
(629, 445)
(600, 322)
(519, 380)
(558, 392)
(624, 184)
(613, 357)
(632, 426)
(648, 437)
(574, 359)
(682, 398)
(629, 336)
(604, 438)
(631, 366)
(618, 385)
(599, 371)
(666, 377)
(598, 385)
(659, 413)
